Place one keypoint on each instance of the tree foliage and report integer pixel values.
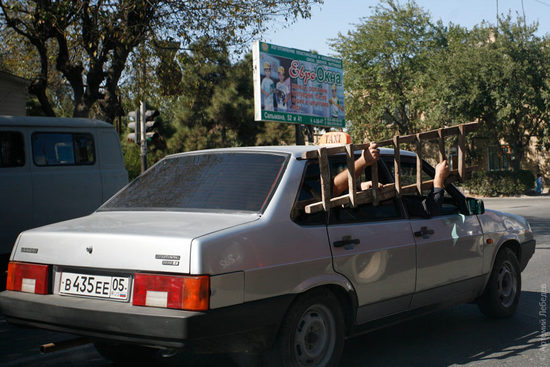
(497, 75)
(216, 107)
(384, 57)
(404, 73)
(91, 40)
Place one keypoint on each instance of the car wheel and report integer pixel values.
(501, 296)
(312, 333)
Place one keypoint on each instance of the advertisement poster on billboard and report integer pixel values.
(296, 86)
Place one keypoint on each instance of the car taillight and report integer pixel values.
(30, 278)
(172, 291)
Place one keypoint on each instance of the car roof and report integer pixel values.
(294, 150)
(40, 121)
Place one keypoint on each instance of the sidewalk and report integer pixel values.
(545, 195)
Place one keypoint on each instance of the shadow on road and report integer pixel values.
(456, 336)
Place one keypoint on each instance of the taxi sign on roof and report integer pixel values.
(335, 137)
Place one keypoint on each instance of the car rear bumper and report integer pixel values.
(230, 329)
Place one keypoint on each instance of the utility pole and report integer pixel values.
(143, 141)
(299, 135)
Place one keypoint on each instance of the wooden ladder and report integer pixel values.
(375, 194)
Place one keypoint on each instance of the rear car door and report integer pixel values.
(374, 248)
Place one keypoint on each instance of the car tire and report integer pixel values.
(501, 295)
(312, 333)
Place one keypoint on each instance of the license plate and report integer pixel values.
(94, 286)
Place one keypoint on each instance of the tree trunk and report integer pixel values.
(517, 155)
(38, 88)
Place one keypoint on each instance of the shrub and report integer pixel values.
(496, 183)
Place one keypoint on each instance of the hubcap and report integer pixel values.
(314, 339)
(507, 284)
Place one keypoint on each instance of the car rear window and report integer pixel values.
(211, 181)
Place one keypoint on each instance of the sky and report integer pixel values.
(339, 16)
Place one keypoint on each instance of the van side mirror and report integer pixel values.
(476, 206)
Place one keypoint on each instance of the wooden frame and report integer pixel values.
(375, 194)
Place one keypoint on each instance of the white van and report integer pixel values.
(53, 169)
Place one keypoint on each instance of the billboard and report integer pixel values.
(296, 86)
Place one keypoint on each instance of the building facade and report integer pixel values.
(13, 94)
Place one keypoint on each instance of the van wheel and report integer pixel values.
(501, 296)
(312, 333)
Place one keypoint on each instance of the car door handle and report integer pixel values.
(346, 240)
(423, 231)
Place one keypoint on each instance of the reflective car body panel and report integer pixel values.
(122, 240)
(453, 252)
(382, 265)
(502, 227)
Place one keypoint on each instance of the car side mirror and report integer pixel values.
(476, 206)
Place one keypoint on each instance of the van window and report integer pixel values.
(62, 149)
(12, 149)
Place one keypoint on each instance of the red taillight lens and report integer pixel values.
(30, 278)
(172, 291)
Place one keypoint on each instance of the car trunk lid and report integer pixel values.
(143, 241)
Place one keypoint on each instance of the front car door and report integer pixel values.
(449, 249)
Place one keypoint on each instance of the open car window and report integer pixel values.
(452, 201)
(386, 209)
(310, 192)
(239, 181)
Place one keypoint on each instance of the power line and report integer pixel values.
(542, 2)
(524, 19)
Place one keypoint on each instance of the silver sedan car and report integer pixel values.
(212, 251)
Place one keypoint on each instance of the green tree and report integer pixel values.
(519, 87)
(20, 58)
(91, 40)
(216, 107)
(498, 75)
(405, 73)
(383, 60)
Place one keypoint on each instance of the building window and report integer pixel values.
(62, 149)
(12, 149)
(499, 157)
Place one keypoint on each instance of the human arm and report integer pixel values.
(368, 185)
(441, 173)
(368, 157)
(434, 201)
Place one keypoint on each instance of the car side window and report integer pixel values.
(309, 193)
(387, 209)
(310, 190)
(12, 149)
(415, 203)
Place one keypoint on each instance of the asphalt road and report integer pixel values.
(460, 336)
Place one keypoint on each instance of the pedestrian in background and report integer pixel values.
(539, 184)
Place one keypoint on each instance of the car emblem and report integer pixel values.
(90, 249)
